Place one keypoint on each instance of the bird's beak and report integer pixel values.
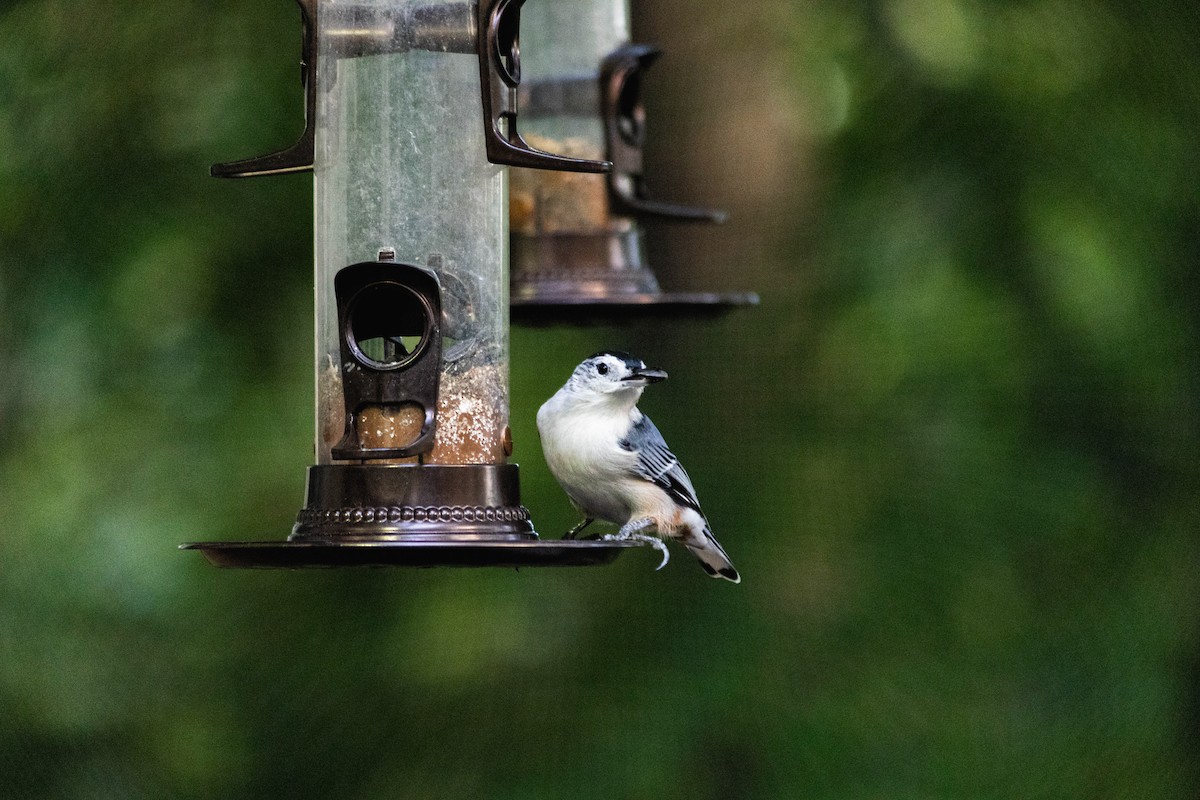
(646, 374)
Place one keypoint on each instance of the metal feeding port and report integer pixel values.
(576, 240)
(412, 362)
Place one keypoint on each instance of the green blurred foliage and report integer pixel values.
(954, 453)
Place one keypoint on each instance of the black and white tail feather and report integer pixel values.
(712, 557)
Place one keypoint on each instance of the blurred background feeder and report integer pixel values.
(577, 245)
(412, 436)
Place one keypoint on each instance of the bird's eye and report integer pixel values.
(602, 369)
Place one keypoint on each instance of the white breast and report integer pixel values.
(582, 447)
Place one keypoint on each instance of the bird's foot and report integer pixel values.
(574, 532)
(635, 526)
(633, 531)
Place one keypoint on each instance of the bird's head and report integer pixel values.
(612, 372)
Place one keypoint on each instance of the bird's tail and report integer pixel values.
(712, 556)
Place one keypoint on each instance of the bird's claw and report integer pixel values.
(660, 546)
(653, 541)
(574, 532)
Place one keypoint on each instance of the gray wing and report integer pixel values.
(657, 464)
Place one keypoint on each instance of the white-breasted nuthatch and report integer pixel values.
(614, 465)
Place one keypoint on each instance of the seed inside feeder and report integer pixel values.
(547, 202)
(390, 425)
(472, 417)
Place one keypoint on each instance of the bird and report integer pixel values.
(614, 465)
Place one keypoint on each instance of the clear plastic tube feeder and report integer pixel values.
(412, 433)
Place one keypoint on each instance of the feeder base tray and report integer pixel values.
(310, 555)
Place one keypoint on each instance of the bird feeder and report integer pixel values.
(411, 357)
(577, 239)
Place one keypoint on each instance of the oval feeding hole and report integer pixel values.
(388, 325)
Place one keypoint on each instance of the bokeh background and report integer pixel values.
(953, 453)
